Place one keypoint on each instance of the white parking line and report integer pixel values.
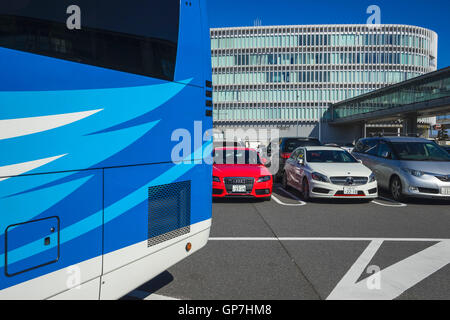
(395, 203)
(324, 239)
(301, 203)
(292, 195)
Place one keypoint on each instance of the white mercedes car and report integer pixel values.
(328, 172)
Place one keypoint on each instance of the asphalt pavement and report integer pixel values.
(327, 249)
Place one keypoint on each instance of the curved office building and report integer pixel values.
(287, 76)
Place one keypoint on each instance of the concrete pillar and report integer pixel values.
(410, 124)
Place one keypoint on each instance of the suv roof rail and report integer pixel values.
(417, 135)
(380, 134)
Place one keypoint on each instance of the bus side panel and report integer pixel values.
(206, 41)
(51, 235)
(162, 206)
(92, 126)
(190, 56)
(87, 117)
(174, 197)
(148, 267)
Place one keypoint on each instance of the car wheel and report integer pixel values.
(305, 190)
(396, 189)
(284, 181)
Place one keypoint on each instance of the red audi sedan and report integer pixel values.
(240, 172)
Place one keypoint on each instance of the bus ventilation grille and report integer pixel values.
(169, 212)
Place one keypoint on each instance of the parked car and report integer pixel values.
(348, 147)
(446, 148)
(224, 144)
(285, 146)
(328, 172)
(240, 172)
(407, 166)
(332, 145)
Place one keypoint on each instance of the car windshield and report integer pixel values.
(236, 156)
(330, 156)
(420, 151)
(292, 144)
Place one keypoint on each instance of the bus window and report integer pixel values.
(137, 38)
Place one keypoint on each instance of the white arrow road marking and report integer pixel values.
(300, 203)
(395, 279)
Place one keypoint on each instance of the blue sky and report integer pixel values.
(431, 14)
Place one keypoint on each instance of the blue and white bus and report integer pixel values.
(91, 203)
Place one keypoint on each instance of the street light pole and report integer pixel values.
(320, 127)
(297, 114)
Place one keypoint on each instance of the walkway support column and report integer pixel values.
(410, 124)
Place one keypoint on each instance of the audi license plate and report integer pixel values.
(445, 191)
(239, 188)
(350, 191)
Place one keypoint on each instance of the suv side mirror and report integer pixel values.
(360, 161)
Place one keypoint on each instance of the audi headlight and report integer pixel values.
(216, 179)
(413, 172)
(319, 177)
(264, 179)
(372, 178)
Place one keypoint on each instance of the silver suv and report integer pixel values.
(407, 167)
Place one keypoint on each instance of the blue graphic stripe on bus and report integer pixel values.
(76, 138)
(76, 76)
(84, 153)
(122, 206)
(115, 102)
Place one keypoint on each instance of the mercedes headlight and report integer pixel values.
(372, 178)
(319, 177)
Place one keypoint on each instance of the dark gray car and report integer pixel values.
(279, 151)
(407, 167)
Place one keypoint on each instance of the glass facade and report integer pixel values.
(415, 91)
(294, 73)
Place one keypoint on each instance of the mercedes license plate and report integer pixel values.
(350, 191)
